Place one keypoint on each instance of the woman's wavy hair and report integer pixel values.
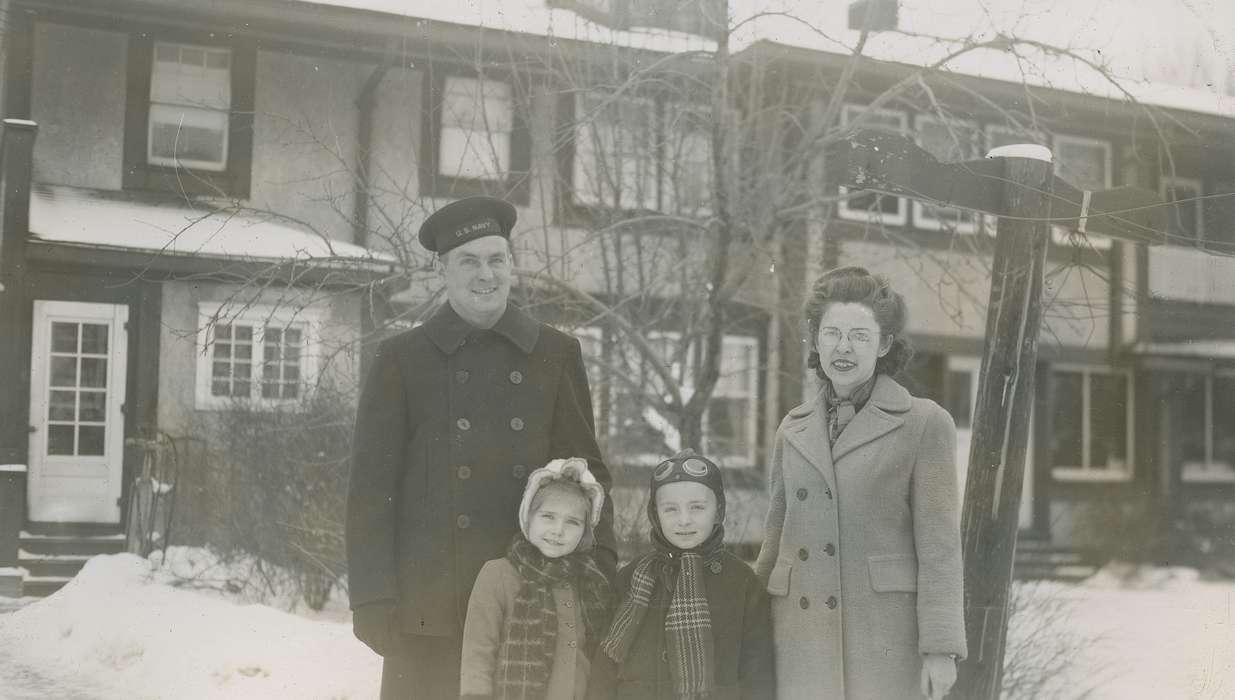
(856, 285)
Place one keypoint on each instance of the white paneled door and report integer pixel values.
(77, 384)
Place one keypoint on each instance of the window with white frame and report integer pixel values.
(1185, 217)
(1200, 408)
(260, 355)
(615, 152)
(477, 121)
(1093, 418)
(1085, 164)
(950, 141)
(863, 205)
(639, 430)
(190, 104)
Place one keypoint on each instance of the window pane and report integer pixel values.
(221, 370)
(196, 137)
(291, 373)
(94, 338)
(94, 372)
(190, 80)
(1182, 401)
(244, 334)
(222, 331)
(1220, 214)
(270, 390)
(291, 337)
(1068, 438)
(61, 405)
(1108, 419)
(1082, 164)
(64, 371)
(1184, 217)
(959, 397)
(90, 440)
(60, 439)
(93, 406)
(63, 337)
(243, 370)
(244, 351)
(1224, 427)
(242, 388)
(727, 428)
(222, 351)
(950, 142)
(220, 387)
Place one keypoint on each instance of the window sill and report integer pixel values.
(1090, 475)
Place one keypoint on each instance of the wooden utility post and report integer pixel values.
(1016, 184)
(989, 518)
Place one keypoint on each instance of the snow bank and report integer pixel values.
(1137, 632)
(123, 628)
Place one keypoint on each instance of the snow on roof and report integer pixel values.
(109, 220)
(1127, 38)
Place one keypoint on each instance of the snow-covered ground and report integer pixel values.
(123, 629)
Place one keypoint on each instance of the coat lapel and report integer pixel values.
(807, 431)
(880, 416)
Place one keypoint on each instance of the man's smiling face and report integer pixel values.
(478, 279)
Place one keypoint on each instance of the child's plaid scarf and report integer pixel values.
(529, 637)
(688, 624)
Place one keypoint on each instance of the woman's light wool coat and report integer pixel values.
(862, 551)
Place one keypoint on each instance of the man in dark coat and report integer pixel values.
(453, 417)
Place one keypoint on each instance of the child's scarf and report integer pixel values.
(688, 624)
(525, 658)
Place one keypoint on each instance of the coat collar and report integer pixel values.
(448, 330)
(806, 425)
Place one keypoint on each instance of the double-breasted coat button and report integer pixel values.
(664, 656)
(570, 625)
(463, 522)
(463, 424)
(830, 549)
(465, 472)
(570, 603)
(516, 424)
(804, 602)
(801, 494)
(461, 376)
(715, 567)
(571, 644)
(828, 493)
(831, 602)
(803, 554)
(518, 471)
(516, 377)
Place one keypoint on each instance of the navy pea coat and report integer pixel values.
(451, 421)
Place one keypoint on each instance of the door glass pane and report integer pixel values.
(960, 389)
(94, 372)
(94, 338)
(61, 405)
(60, 440)
(1108, 417)
(1067, 440)
(63, 337)
(1224, 426)
(93, 406)
(64, 371)
(90, 440)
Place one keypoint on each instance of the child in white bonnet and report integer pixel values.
(536, 614)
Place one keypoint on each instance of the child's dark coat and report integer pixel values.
(741, 632)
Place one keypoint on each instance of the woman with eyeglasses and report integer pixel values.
(862, 548)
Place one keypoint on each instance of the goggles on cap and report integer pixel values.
(693, 466)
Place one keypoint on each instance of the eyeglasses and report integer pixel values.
(858, 337)
(691, 465)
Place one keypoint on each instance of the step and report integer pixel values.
(43, 586)
(51, 564)
(71, 544)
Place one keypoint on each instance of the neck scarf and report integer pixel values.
(525, 658)
(688, 624)
(842, 410)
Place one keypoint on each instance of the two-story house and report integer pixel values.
(219, 202)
